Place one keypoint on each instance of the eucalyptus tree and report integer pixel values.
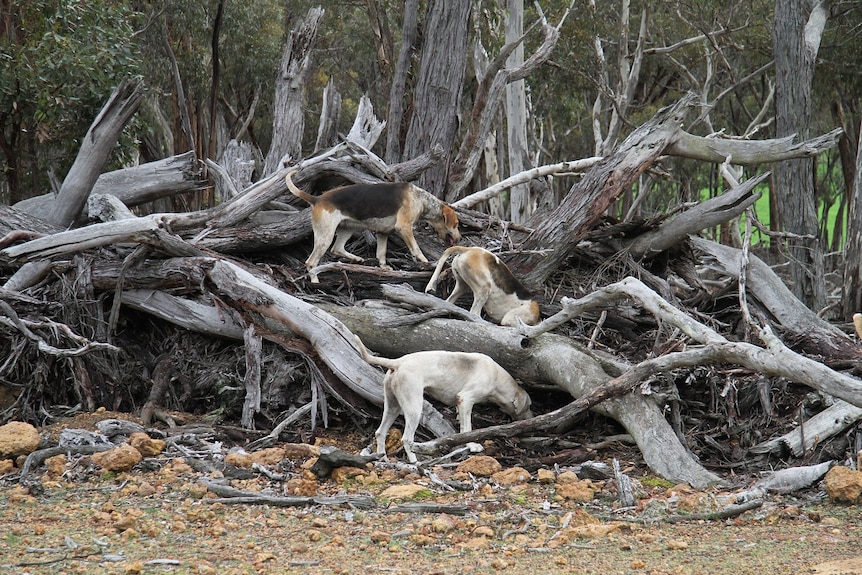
(59, 61)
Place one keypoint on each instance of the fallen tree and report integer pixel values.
(234, 272)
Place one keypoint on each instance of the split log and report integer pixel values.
(773, 359)
(138, 184)
(557, 233)
(713, 212)
(811, 432)
(749, 152)
(96, 147)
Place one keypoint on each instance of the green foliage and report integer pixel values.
(59, 62)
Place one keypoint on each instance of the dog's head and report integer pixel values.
(521, 404)
(447, 225)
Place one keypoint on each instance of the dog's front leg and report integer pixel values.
(382, 244)
(407, 235)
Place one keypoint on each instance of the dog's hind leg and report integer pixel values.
(465, 412)
(410, 400)
(338, 248)
(480, 298)
(323, 226)
(460, 288)
(391, 411)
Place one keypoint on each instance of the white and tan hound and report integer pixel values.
(494, 288)
(451, 377)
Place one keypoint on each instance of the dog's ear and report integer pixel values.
(450, 217)
(522, 401)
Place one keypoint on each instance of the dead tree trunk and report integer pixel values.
(439, 84)
(549, 358)
(399, 81)
(555, 236)
(288, 122)
(136, 185)
(95, 151)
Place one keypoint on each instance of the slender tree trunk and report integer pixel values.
(212, 153)
(520, 203)
(797, 30)
(288, 122)
(399, 82)
(382, 39)
(437, 96)
(852, 294)
(330, 113)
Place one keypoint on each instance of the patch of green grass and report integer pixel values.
(653, 481)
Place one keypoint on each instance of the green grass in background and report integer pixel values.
(761, 210)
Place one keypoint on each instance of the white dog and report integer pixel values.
(494, 288)
(451, 377)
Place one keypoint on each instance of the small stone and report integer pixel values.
(442, 524)
(268, 456)
(18, 438)
(56, 465)
(567, 477)
(314, 535)
(125, 523)
(406, 491)
(545, 475)
(843, 485)
(677, 545)
(345, 473)
(480, 466)
(145, 489)
(121, 458)
(148, 446)
(511, 476)
(302, 486)
(578, 491)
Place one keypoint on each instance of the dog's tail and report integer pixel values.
(373, 359)
(432, 283)
(311, 200)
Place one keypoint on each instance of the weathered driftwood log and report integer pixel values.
(236, 496)
(813, 334)
(549, 358)
(275, 311)
(708, 214)
(331, 457)
(809, 433)
(138, 184)
(773, 359)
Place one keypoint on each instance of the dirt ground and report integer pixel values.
(73, 517)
